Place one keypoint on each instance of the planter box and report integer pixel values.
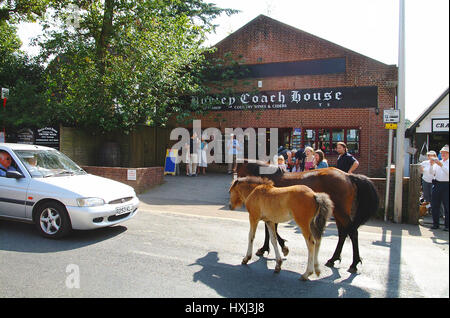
(145, 177)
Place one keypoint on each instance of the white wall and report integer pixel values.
(440, 111)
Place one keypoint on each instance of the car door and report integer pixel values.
(13, 196)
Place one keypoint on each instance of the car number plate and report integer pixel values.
(124, 209)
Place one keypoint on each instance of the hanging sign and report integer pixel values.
(309, 98)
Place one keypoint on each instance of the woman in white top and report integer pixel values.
(427, 177)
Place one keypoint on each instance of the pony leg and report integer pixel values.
(281, 241)
(310, 243)
(251, 238)
(316, 253)
(265, 247)
(356, 259)
(337, 253)
(271, 227)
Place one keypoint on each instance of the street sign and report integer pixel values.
(391, 116)
(390, 126)
(5, 93)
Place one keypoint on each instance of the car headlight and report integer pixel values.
(86, 202)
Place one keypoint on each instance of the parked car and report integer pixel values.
(51, 191)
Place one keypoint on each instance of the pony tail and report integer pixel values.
(324, 210)
(367, 198)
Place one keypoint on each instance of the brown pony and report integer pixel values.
(265, 202)
(354, 196)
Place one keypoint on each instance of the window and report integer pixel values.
(353, 141)
(327, 139)
(310, 138)
(338, 135)
(324, 140)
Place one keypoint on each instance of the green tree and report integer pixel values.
(23, 10)
(115, 63)
(23, 77)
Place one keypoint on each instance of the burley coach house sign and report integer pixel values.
(340, 97)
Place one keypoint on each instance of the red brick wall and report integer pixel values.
(145, 177)
(265, 40)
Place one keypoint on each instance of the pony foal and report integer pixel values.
(263, 201)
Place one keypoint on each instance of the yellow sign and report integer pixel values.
(390, 126)
(171, 159)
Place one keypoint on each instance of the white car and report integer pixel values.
(54, 193)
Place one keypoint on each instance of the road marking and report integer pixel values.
(172, 258)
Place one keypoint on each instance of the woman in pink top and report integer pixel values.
(309, 160)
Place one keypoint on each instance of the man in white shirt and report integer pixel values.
(439, 192)
(427, 178)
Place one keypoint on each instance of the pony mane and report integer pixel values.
(253, 168)
(251, 180)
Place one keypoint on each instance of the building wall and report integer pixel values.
(439, 112)
(265, 40)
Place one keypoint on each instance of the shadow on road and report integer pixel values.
(23, 237)
(257, 280)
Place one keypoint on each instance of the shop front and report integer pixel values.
(314, 92)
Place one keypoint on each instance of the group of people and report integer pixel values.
(308, 159)
(435, 178)
(194, 155)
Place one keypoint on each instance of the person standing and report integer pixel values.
(427, 178)
(203, 162)
(346, 162)
(194, 150)
(281, 163)
(233, 150)
(319, 160)
(309, 159)
(300, 159)
(439, 191)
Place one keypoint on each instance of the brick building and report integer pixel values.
(315, 92)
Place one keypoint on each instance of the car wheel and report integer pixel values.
(52, 220)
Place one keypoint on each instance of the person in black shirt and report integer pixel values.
(346, 162)
(300, 159)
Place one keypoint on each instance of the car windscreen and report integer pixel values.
(48, 163)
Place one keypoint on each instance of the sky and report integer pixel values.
(369, 27)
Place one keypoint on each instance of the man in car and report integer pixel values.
(5, 163)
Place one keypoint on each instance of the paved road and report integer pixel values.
(184, 242)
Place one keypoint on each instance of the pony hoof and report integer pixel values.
(352, 270)
(285, 251)
(278, 267)
(330, 264)
(303, 278)
(261, 252)
(245, 260)
(318, 273)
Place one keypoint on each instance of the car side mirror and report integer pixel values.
(14, 174)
